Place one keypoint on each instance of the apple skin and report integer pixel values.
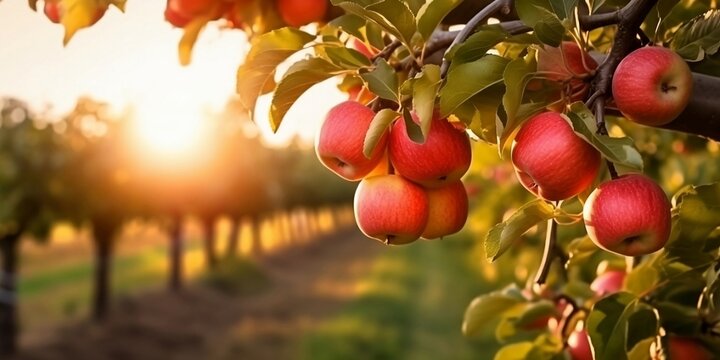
(609, 282)
(628, 216)
(175, 18)
(301, 12)
(685, 348)
(339, 145)
(448, 210)
(391, 209)
(550, 160)
(355, 44)
(442, 159)
(52, 11)
(565, 63)
(652, 86)
(579, 346)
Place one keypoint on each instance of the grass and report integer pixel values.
(412, 308)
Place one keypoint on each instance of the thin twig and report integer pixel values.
(387, 51)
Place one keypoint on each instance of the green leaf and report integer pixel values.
(486, 309)
(467, 80)
(642, 279)
(516, 351)
(267, 51)
(346, 58)
(432, 13)
(413, 129)
(502, 235)
(382, 81)
(699, 37)
(301, 76)
(550, 30)
(517, 74)
(697, 209)
(425, 89)
(611, 321)
(394, 16)
(349, 23)
(477, 45)
(378, 128)
(620, 151)
(480, 113)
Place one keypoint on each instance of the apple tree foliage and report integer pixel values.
(480, 77)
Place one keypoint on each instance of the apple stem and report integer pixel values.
(387, 51)
(549, 253)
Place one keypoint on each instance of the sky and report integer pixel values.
(131, 60)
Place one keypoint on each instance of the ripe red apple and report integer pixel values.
(579, 346)
(609, 282)
(52, 10)
(301, 12)
(448, 210)
(442, 159)
(629, 216)
(175, 17)
(550, 160)
(339, 145)
(652, 86)
(569, 65)
(685, 348)
(391, 209)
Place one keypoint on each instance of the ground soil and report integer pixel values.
(307, 285)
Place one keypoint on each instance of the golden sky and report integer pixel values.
(131, 59)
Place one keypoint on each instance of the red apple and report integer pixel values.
(339, 145)
(448, 210)
(569, 65)
(550, 160)
(391, 209)
(52, 10)
(629, 216)
(579, 346)
(685, 348)
(174, 16)
(442, 159)
(301, 12)
(652, 86)
(609, 282)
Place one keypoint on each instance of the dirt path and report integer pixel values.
(307, 285)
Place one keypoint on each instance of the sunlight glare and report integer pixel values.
(170, 128)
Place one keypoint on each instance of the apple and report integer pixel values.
(550, 160)
(391, 209)
(652, 86)
(569, 65)
(339, 145)
(442, 159)
(360, 94)
(579, 346)
(685, 348)
(628, 216)
(52, 10)
(175, 17)
(609, 282)
(301, 12)
(448, 210)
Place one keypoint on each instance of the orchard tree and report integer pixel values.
(571, 94)
(32, 154)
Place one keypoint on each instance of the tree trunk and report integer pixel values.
(256, 245)
(8, 296)
(176, 254)
(103, 241)
(210, 251)
(233, 242)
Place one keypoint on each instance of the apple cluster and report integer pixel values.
(627, 215)
(407, 190)
(295, 13)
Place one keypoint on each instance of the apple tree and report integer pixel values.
(574, 95)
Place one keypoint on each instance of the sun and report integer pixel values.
(170, 128)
